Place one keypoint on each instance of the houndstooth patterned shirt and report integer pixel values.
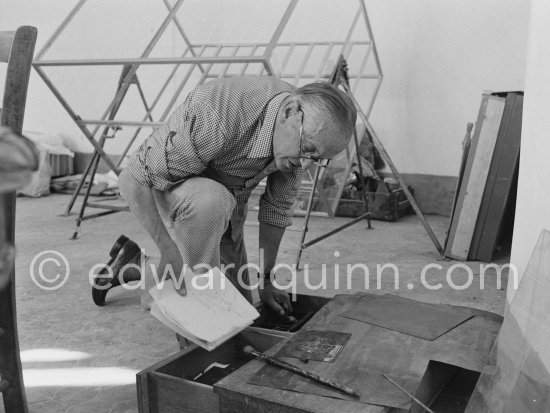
(224, 131)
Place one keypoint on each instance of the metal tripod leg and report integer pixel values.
(308, 214)
(79, 187)
(362, 181)
(95, 162)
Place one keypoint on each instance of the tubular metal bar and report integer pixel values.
(373, 98)
(59, 30)
(121, 92)
(182, 32)
(79, 186)
(235, 50)
(150, 109)
(304, 63)
(95, 162)
(334, 231)
(361, 68)
(362, 179)
(280, 28)
(324, 61)
(118, 122)
(402, 182)
(308, 214)
(76, 118)
(281, 44)
(371, 37)
(269, 68)
(111, 210)
(287, 57)
(117, 208)
(205, 74)
(345, 51)
(254, 48)
(313, 76)
(151, 61)
(182, 84)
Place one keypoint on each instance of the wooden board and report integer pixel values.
(370, 348)
(500, 181)
(475, 177)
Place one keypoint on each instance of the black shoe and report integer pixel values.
(123, 251)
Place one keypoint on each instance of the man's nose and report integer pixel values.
(306, 163)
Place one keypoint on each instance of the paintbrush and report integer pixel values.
(295, 369)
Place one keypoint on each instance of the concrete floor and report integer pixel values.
(81, 358)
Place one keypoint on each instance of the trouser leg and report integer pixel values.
(197, 213)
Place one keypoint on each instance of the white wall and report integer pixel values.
(533, 204)
(437, 58)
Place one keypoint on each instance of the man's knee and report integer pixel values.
(124, 182)
(205, 199)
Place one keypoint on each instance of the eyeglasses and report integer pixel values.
(322, 162)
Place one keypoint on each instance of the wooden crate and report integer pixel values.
(168, 386)
(383, 206)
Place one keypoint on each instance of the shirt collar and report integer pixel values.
(263, 146)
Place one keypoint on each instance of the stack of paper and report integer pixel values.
(212, 311)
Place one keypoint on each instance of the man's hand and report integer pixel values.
(172, 264)
(278, 300)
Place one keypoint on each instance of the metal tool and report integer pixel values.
(294, 369)
(409, 394)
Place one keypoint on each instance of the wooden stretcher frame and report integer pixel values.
(205, 57)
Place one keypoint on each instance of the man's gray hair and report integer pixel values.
(330, 102)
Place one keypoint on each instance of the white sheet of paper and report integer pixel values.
(212, 311)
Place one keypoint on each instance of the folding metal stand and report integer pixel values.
(91, 168)
(308, 61)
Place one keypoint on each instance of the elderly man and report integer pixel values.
(194, 175)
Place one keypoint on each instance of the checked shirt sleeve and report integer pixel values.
(276, 203)
(181, 148)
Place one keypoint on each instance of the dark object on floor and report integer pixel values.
(318, 345)
(122, 252)
(423, 320)
(387, 203)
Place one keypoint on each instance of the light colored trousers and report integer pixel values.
(197, 215)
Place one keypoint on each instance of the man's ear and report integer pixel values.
(291, 108)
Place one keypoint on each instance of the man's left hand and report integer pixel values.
(278, 300)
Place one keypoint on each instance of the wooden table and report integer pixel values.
(370, 348)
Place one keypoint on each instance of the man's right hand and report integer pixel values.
(172, 264)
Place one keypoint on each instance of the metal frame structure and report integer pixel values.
(213, 60)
